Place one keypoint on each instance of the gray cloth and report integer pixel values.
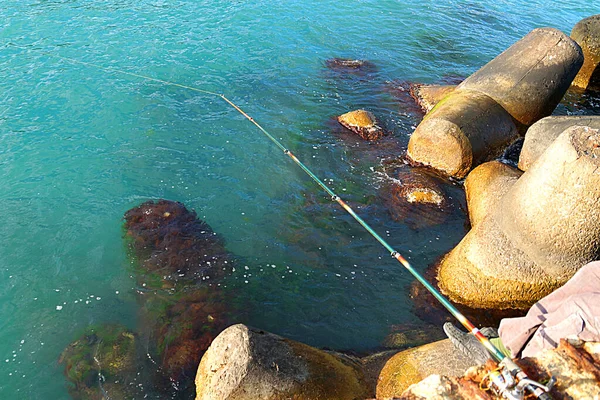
(572, 311)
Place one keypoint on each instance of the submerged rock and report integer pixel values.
(351, 66)
(363, 123)
(101, 364)
(587, 34)
(246, 363)
(179, 263)
(416, 198)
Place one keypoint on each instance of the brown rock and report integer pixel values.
(411, 366)
(363, 123)
(486, 185)
(587, 34)
(577, 377)
(541, 135)
(247, 363)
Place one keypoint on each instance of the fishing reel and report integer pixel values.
(510, 382)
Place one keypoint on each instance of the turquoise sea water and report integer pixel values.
(80, 146)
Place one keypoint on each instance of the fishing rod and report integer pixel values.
(509, 380)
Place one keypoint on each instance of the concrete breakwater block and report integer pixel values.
(247, 363)
(486, 185)
(486, 112)
(587, 34)
(541, 135)
(427, 96)
(463, 130)
(530, 77)
(538, 235)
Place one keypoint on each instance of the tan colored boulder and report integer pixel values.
(412, 365)
(427, 96)
(463, 130)
(363, 123)
(587, 34)
(247, 363)
(573, 365)
(530, 77)
(486, 185)
(541, 135)
(540, 233)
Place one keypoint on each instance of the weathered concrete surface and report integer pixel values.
(587, 34)
(247, 363)
(427, 96)
(574, 366)
(540, 233)
(530, 78)
(463, 130)
(412, 365)
(485, 186)
(363, 123)
(541, 135)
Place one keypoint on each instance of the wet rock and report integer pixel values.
(484, 114)
(541, 135)
(539, 234)
(427, 96)
(465, 129)
(574, 366)
(413, 365)
(102, 363)
(351, 66)
(247, 363)
(530, 78)
(363, 123)
(168, 240)
(179, 262)
(587, 34)
(416, 198)
(486, 185)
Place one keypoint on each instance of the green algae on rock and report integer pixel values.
(101, 363)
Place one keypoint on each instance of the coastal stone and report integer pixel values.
(587, 34)
(406, 336)
(541, 135)
(247, 363)
(101, 362)
(416, 198)
(412, 365)
(427, 96)
(485, 186)
(179, 261)
(529, 78)
(351, 66)
(363, 123)
(463, 130)
(571, 364)
(540, 233)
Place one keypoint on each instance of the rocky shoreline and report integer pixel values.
(533, 225)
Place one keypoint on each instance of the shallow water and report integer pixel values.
(80, 146)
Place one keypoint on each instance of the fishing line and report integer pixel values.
(512, 368)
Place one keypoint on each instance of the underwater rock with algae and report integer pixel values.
(101, 364)
(179, 263)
